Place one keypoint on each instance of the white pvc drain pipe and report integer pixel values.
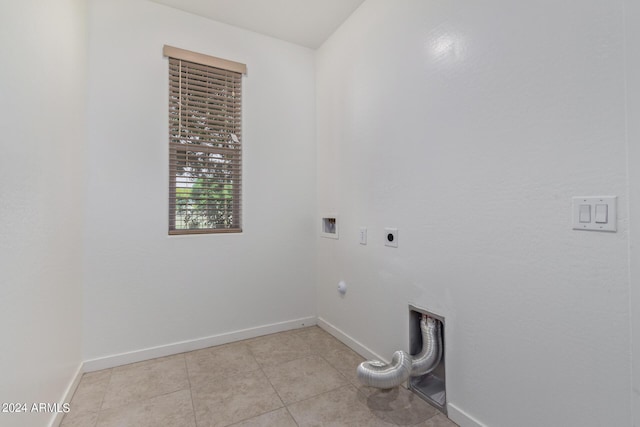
(382, 375)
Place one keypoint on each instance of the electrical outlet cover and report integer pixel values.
(391, 237)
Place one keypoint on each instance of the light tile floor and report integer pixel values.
(300, 378)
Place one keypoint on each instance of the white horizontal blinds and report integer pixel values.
(205, 155)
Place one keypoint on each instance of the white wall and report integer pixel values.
(143, 288)
(469, 126)
(632, 9)
(42, 122)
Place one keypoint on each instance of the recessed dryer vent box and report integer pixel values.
(329, 227)
(432, 386)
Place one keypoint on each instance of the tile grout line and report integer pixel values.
(224, 377)
(193, 406)
(88, 412)
(260, 368)
(135, 402)
(291, 415)
(270, 383)
(321, 394)
(103, 396)
(347, 382)
(259, 415)
(106, 389)
(286, 406)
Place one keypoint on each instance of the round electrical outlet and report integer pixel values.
(392, 237)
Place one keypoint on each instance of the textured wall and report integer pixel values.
(42, 123)
(143, 288)
(469, 126)
(632, 9)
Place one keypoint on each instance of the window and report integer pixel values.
(205, 143)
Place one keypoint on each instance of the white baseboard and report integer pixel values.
(461, 418)
(68, 394)
(354, 344)
(196, 344)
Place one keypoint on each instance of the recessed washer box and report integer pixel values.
(329, 227)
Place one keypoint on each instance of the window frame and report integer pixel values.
(224, 182)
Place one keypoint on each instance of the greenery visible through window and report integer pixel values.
(205, 158)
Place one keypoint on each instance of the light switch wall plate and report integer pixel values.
(595, 213)
(363, 235)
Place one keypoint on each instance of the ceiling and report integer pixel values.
(305, 22)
